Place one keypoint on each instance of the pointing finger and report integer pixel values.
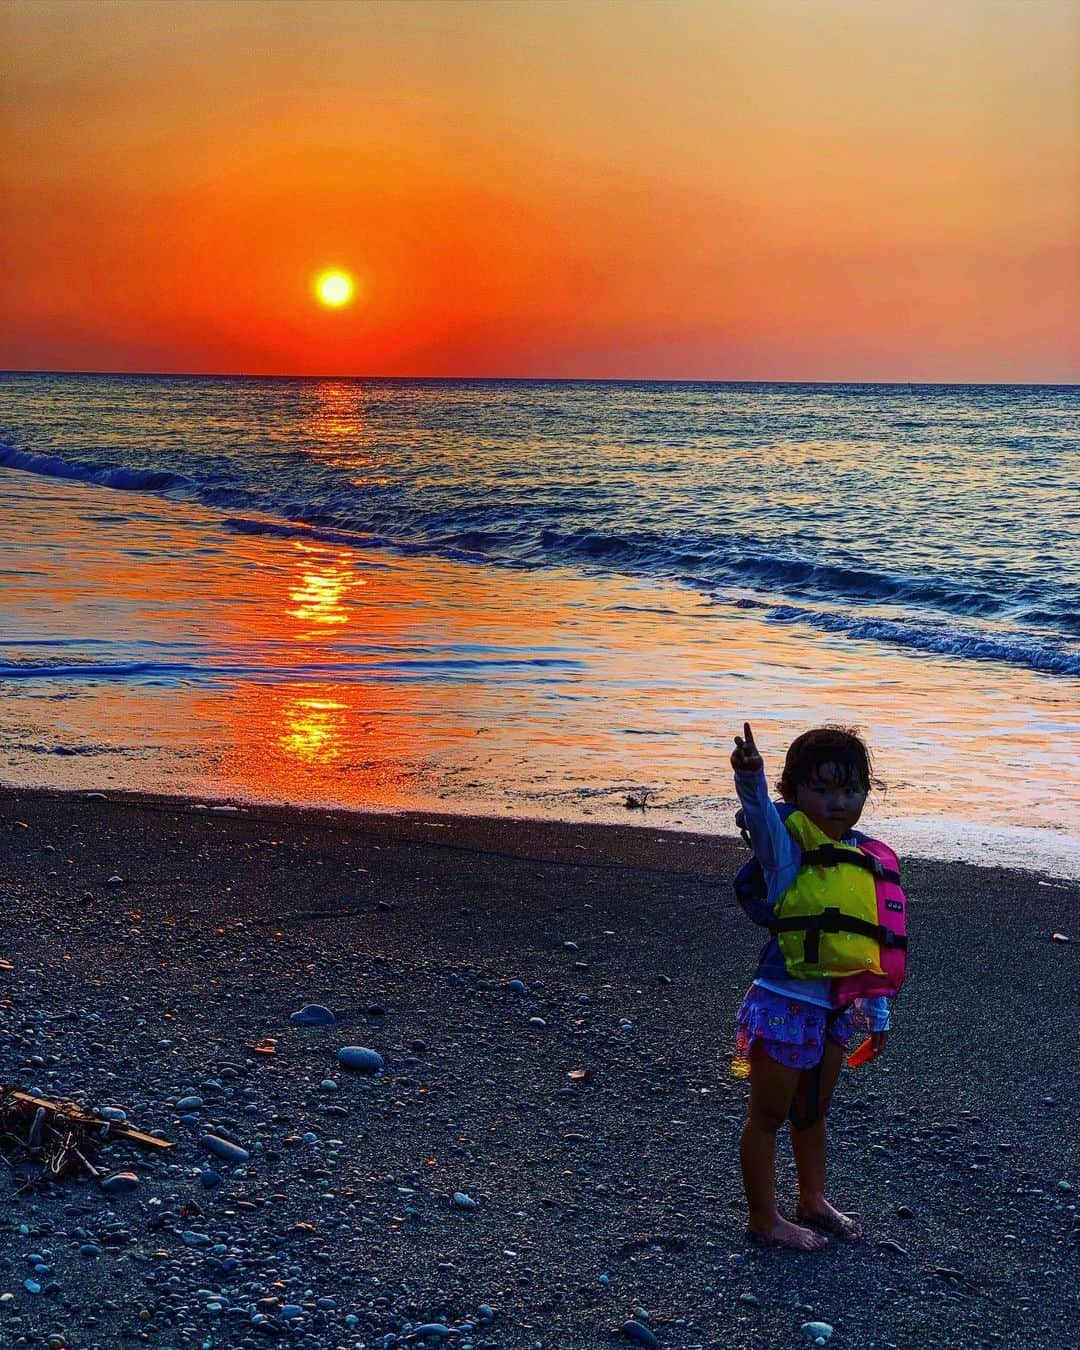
(748, 733)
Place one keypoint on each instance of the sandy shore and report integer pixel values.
(598, 1198)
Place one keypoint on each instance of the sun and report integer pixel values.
(334, 288)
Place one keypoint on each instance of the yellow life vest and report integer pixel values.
(839, 892)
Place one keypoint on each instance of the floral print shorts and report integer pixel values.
(790, 1031)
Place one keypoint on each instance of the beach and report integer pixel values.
(589, 1116)
(432, 436)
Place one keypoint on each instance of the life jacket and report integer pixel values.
(843, 918)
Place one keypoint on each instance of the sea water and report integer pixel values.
(546, 598)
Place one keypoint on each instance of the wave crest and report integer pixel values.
(942, 640)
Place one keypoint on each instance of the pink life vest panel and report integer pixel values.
(892, 916)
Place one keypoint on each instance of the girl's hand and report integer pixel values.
(745, 757)
(871, 1048)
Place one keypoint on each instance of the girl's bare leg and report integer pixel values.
(772, 1086)
(809, 1148)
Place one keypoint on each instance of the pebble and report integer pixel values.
(516, 986)
(115, 881)
(890, 1245)
(224, 1148)
(635, 1331)
(751, 1299)
(189, 1103)
(1059, 937)
(817, 1332)
(120, 1183)
(313, 1015)
(463, 1201)
(360, 1058)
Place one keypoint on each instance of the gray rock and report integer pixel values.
(360, 1059)
(313, 1015)
(817, 1332)
(224, 1148)
(120, 1183)
(635, 1331)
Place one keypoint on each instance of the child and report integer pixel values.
(794, 1028)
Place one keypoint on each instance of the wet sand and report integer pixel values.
(596, 1195)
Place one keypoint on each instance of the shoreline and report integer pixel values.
(546, 838)
(596, 1194)
(472, 823)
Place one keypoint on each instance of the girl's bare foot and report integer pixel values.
(823, 1215)
(778, 1232)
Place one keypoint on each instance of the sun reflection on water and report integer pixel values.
(321, 588)
(315, 729)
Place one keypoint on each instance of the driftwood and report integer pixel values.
(62, 1137)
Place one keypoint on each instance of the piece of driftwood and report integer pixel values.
(76, 1115)
(60, 1136)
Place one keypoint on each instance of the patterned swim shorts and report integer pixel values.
(790, 1031)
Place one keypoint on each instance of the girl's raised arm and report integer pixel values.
(773, 846)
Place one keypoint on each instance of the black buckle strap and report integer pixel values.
(828, 855)
(835, 921)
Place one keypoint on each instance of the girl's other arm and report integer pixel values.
(876, 1011)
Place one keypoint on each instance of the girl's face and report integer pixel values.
(832, 799)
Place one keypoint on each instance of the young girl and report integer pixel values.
(794, 1030)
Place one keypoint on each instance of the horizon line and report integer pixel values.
(542, 379)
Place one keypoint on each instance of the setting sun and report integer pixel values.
(334, 288)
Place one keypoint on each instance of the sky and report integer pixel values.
(731, 189)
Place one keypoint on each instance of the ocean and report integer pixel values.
(545, 598)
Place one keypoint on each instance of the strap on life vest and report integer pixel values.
(835, 921)
(828, 855)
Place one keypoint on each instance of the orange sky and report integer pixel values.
(733, 189)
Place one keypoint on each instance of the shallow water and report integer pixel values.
(148, 644)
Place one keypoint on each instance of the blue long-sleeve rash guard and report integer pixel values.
(780, 858)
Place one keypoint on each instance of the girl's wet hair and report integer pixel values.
(841, 746)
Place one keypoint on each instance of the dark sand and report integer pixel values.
(594, 1198)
